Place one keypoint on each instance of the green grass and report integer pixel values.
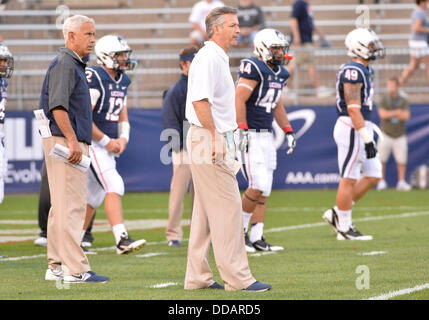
(314, 265)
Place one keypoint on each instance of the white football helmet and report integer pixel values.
(6, 70)
(267, 39)
(108, 47)
(364, 43)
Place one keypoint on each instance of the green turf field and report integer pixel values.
(314, 265)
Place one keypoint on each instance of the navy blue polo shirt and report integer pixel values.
(302, 12)
(173, 108)
(65, 86)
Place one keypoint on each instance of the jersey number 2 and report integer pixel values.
(113, 113)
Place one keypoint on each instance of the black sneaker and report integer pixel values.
(127, 245)
(248, 244)
(352, 234)
(262, 245)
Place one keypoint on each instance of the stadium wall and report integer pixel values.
(313, 165)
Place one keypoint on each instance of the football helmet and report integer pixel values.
(265, 40)
(6, 70)
(108, 47)
(364, 43)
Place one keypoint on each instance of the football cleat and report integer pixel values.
(330, 216)
(262, 245)
(248, 244)
(127, 245)
(352, 234)
(54, 274)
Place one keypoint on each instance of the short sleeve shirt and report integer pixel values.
(250, 16)
(65, 86)
(210, 78)
(393, 127)
(301, 10)
(418, 14)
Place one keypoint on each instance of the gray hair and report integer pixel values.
(74, 23)
(216, 18)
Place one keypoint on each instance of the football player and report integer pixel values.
(6, 70)
(358, 163)
(108, 85)
(258, 101)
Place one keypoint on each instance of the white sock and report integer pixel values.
(83, 234)
(118, 231)
(246, 220)
(257, 232)
(344, 219)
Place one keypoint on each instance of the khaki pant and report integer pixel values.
(67, 214)
(178, 189)
(216, 219)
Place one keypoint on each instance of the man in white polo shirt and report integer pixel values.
(216, 216)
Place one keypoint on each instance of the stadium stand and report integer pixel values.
(156, 30)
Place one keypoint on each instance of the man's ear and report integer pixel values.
(216, 28)
(71, 36)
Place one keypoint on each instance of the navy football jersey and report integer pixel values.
(111, 101)
(3, 98)
(355, 72)
(265, 96)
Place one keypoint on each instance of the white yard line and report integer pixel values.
(152, 254)
(372, 253)
(23, 257)
(402, 292)
(375, 218)
(163, 285)
(262, 254)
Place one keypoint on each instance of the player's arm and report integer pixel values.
(352, 94)
(281, 117)
(123, 130)
(243, 92)
(97, 134)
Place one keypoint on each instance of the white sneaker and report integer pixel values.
(403, 186)
(381, 185)
(41, 241)
(54, 274)
(83, 277)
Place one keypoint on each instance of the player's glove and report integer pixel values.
(243, 142)
(290, 137)
(371, 150)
